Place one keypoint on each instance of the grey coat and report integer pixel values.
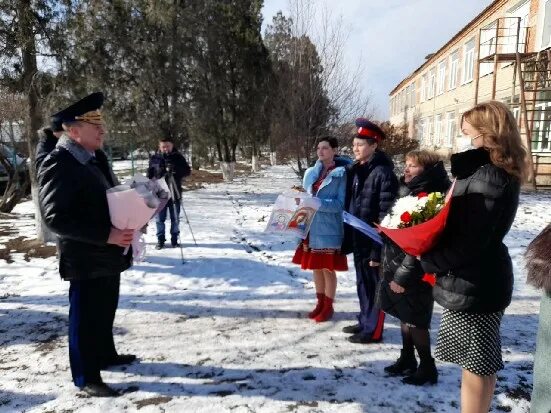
(538, 265)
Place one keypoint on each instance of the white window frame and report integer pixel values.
(468, 61)
(545, 25)
(413, 96)
(437, 140)
(454, 70)
(421, 130)
(432, 83)
(487, 48)
(428, 135)
(441, 81)
(451, 133)
(424, 87)
(542, 126)
(523, 11)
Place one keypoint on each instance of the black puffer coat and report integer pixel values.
(473, 266)
(414, 306)
(74, 206)
(371, 190)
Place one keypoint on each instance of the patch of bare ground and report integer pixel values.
(32, 248)
(153, 401)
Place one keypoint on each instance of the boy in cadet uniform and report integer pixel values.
(372, 187)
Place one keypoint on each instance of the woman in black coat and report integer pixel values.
(474, 274)
(402, 292)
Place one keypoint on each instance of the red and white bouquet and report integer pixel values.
(415, 222)
(412, 210)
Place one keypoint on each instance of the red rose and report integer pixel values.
(405, 217)
(422, 195)
(429, 278)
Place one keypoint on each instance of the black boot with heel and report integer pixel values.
(426, 373)
(405, 365)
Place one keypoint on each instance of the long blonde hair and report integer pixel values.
(500, 135)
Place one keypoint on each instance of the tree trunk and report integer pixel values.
(228, 170)
(273, 158)
(255, 164)
(34, 114)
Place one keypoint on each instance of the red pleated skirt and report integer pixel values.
(319, 259)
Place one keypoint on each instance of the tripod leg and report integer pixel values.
(179, 241)
(187, 221)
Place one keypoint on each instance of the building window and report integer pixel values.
(451, 129)
(515, 17)
(454, 69)
(487, 47)
(429, 130)
(468, 61)
(421, 130)
(441, 77)
(432, 83)
(541, 141)
(412, 96)
(546, 33)
(437, 140)
(424, 88)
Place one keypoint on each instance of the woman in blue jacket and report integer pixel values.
(320, 251)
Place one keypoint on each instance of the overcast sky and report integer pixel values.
(392, 37)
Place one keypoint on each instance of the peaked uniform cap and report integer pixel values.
(369, 130)
(85, 110)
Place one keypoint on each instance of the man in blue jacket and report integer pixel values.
(170, 164)
(371, 190)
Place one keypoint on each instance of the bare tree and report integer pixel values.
(340, 78)
(318, 88)
(12, 110)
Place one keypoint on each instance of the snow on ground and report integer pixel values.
(226, 331)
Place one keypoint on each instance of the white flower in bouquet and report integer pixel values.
(412, 210)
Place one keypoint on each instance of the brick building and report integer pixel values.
(503, 53)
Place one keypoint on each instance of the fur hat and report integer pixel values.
(538, 262)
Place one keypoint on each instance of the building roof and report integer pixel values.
(433, 56)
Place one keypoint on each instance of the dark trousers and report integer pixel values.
(371, 319)
(93, 304)
(173, 209)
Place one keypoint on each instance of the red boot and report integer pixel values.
(327, 311)
(319, 306)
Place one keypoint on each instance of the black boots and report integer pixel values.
(174, 242)
(160, 244)
(405, 365)
(426, 373)
(353, 329)
(118, 360)
(99, 390)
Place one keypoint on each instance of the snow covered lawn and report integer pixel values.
(226, 331)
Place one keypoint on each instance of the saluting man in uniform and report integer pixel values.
(73, 180)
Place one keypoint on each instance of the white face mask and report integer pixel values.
(464, 144)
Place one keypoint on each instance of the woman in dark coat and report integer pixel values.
(474, 274)
(403, 293)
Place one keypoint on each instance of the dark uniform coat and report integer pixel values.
(74, 206)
